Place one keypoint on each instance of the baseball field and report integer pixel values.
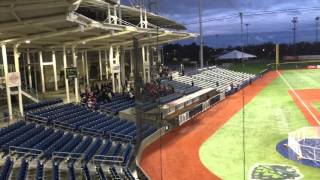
(212, 146)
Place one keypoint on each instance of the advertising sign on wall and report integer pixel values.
(14, 79)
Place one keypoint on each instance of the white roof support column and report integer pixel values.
(65, 65)
(159, 55)
(115, 16)
(109, 14)
(29, 69)
(76, 84)
(100, 65)
(16, 56)
(131, 64)
(54, 63)
(143, 18)
(87, 68)
(24, 64)
(119, 12)
(5, 65)
(43, 85)
(83, 71)
(118, 65)
(143, 62)
(122, 67)
(147, 64)
(111, 59)
(107, 66)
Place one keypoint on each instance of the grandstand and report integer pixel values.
(119, 103)
(28, 141)
(77, 118)
(52, 134)
(218, 78)
(88, 96)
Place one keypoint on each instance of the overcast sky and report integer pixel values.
(275, 27)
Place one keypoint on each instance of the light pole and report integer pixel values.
(317, 28)
(201, 34)
(247, 27)
(216, 36)
(294, 21)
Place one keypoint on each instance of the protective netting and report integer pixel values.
(305, 142)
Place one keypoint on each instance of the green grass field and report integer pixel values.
(253, 67)
(316, 105)
(268, 119)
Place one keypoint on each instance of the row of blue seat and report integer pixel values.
(41, 104)
(49, 141)
(39, 171)
(181, 87)
(117, 106)
(23, 170)
(79, 118)
(118, 103)
(71, 172)
(6, 169)
(170, 97)
(86, 172)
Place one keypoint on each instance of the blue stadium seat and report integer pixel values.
(105, 148)
(86, 172)
(71, 173)
(114, 173)
(92, 149)
(39, 171)
(100, 173)
(23, 170)
(55, 172)
(6, 169)
(128, 174)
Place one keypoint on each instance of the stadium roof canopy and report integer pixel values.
(235, 54)
(51, 24)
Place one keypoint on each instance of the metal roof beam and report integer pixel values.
(96, 38)
(37, 6)
(46, 35)
(32, 22)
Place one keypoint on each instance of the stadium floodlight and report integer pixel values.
(201, 34)
(247, 27)
(317, 28)
(294, 21)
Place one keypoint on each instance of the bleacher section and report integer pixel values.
(217, 78)
(77, 118)
(119, 103)
(180, 87)
(29, 107)
(29, 141)
(170, 97)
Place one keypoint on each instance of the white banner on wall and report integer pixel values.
(14, 79)
(205, 105)
(183, 118)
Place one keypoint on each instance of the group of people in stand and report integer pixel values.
(102, 93)
(96, 94)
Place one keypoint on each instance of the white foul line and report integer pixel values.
(299, 98)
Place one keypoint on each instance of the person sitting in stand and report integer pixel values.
(91, 101)
(131, 95)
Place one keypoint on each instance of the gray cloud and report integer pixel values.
(272, 27)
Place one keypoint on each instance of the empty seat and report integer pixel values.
(39, 171)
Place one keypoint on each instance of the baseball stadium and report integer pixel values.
(139, 89)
